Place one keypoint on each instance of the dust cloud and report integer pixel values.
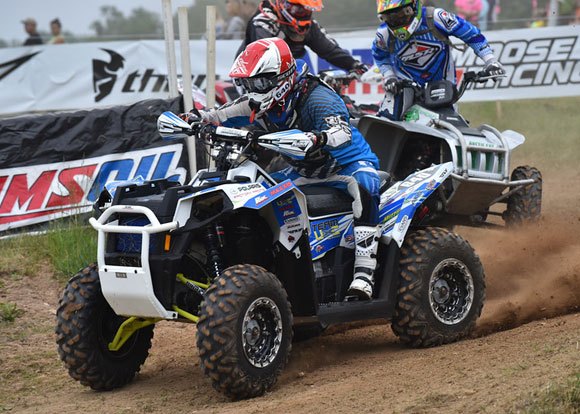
(531, 272)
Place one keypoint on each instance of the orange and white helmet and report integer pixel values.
(296, 14)
(266, 72)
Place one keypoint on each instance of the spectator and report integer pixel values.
(468, 10)
(33, 36)
(249, 8)
(55, 28)
(236, 25)
(483, 15)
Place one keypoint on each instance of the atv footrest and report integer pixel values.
(340, 312)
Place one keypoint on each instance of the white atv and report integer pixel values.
(253, 262)
(433, 132)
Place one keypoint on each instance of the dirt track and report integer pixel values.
(531, 275)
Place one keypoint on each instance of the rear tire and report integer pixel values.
(244, 333)
(442, 289)
(525, 206)
(85, 324)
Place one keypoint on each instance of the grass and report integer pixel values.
(563, 398)
(9, 312)
(65, 247)
(550, 126)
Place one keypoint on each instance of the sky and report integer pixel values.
(75, 15)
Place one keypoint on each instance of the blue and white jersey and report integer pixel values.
(324, 111)
(321, 111)
(424, 58)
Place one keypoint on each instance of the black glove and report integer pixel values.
(358, 69)
(493, 69)
(318, 141)
(392, 85)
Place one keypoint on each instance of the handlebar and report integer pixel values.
(468, 78)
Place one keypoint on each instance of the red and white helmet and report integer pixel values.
(266, 72)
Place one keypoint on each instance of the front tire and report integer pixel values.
(244, 333)
(85, 324)
(442, 289)
(525, 205)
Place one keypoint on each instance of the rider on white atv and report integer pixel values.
(279, 96)
(413, 43)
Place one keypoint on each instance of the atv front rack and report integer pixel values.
(481, 175)
(129, 289)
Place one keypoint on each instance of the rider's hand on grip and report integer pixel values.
(493, 69)
(318, 141)
(359, 69)
(392, 85)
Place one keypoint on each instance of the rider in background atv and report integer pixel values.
(292, 21)
(413, 43)
(281, 95)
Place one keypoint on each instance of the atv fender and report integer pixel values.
(387, 139)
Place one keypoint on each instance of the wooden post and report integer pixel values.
(211, 65)
(170, 48)
(186, 82)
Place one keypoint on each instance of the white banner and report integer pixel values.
(541, 62)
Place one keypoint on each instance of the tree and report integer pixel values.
(140, 22)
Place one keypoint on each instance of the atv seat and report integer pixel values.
(325, 200)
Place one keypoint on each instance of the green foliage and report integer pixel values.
(550, 126)
(139, 22)
(67, 247)
(343, 14)
(555, 399)
(70, 247)
(9, 312)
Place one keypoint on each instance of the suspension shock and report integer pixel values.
(214, 238)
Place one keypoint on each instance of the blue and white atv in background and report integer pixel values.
(253, 262)
(481, 183)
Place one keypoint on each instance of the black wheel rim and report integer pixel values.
(107, 326)
(262, 332)
(451, 291)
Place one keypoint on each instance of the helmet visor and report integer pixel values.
(260, 84)
(399, 17)
(298, 11)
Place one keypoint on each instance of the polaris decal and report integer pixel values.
(40, 193)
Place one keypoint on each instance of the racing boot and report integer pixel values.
(365, 261)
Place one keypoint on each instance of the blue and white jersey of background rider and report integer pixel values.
(423, 57)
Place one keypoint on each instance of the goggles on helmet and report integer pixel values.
(260, 84)
(399, 17)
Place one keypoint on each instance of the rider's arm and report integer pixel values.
(328, 49)
(451, 25)
(381, 53)
(325, 113)
(232, 114)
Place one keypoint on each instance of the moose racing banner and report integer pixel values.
(542, 62)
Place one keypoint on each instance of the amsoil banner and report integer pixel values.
(541, 62)
(53, 166)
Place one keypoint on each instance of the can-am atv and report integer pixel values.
(433, 132)
(250, 260)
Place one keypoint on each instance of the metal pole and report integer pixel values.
(553, 13)
(210, 67)
(186, 82)
(170, 48)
